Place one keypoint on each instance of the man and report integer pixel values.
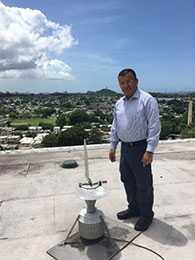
(136, 124)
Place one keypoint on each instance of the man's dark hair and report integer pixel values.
(124, 72)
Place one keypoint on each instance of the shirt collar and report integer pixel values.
(135, 95)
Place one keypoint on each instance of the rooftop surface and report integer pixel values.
(39, 200)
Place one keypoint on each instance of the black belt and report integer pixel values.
(135, 143)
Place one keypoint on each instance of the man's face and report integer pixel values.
(128, 84)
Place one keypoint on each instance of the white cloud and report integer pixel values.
(27, 40)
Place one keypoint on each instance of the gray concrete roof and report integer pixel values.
(39, 200)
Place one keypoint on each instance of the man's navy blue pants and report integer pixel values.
(137, 179)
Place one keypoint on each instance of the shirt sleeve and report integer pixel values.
(154, 126)
(114, 137)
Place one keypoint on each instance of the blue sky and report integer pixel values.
(156, 38)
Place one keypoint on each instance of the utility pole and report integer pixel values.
(190, 112)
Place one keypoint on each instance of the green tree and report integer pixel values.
(47, 112)
(21, 127)
(44, 112)
(94, 118)
(188, 132)
(46, 125)
(169, 127)
(101, 116)
(68, 105)
(3, 111)
(109, 118)
(30, 134)
(78, 116)
(13, 115)
(61, 120)
(95, 136)
(50, 140)
(25, 115)
(72, 136)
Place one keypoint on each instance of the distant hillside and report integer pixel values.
(104, 91)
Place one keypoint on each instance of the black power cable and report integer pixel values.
(135, 244)
(149, 249)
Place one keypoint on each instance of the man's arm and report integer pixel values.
(154, 127)
(153, 119)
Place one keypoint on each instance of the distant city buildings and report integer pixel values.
(20, 114)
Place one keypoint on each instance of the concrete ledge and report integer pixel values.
(80, 147)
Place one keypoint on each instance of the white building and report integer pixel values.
(38, 139)
(26, 142)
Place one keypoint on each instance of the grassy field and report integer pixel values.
(33, 121)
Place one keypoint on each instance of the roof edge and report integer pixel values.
(80, 147)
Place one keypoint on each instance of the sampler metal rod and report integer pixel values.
(86, 162)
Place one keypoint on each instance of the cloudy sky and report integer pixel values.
(81, 45)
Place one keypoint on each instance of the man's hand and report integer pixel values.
(147, 158)
(112, 155)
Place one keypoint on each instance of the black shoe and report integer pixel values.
(125, 214)
(143, 223)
